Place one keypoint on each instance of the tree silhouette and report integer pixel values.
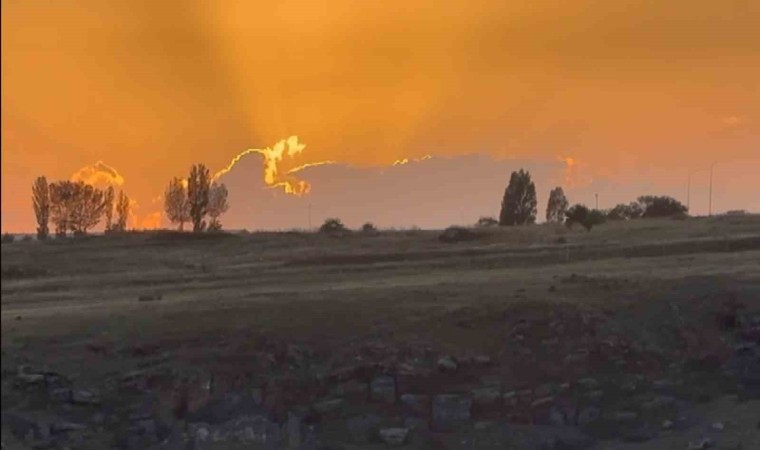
(633, 210)
(197, 194)
(176, 204)
(88, 208)
(661, 206)
(556, 206)
(122, 212)
(108, 207)
(217, 205)
(62, 201)
(518, 206)
(583, 216)
(75, 207)
(41, 204)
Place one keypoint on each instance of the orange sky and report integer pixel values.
(627, 88)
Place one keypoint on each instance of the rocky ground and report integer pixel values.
(674, 364)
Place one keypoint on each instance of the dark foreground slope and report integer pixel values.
(638, 335)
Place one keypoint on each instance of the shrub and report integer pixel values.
(333, 227)
(8, 238)
(485, 222)
(661, 206)
(369, 229)
(457, 234)
(583, 216)
(633, 210)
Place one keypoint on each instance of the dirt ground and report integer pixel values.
(662, 316)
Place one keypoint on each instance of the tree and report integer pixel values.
(41, 204)
(62, 202)
(583, 216)
(557, 206)
(108, 207)
(197, 195)
(122, 212)
(519, 204)
(631, 211)
(333, 227)
(176, 203)
(217, 205)
(88, 208)
(661, 206)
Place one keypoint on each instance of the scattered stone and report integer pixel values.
(483, 425)
(26, 376)
(557, 416)
(352, 388)
(594, 396)
(60, 395)
(658, 403)
(624, 416)
(447, 364)
(450, 411)
(394, 436)
(700, 444)
(567, 438)
(542, 402)
(149, 298)
(292, 431)
(85, 397)
(383, 389)
(361, 428)
(641, 433)
(667, 424)
(510, 398)
(718, 426)
(415, 423)
(486, 396)
(589, 383)
(328, 406)
(588, 415)
(416, 404)
(65, 426)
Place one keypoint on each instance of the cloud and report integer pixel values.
(98, 174)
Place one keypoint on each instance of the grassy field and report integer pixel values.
(97, 307)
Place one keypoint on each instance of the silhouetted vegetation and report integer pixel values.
(369, 229)
(661, 206)
(7, 238)
(581, 215)
(457, 234)
(176, 205)
(556, 206)
(41, 205)
(108, 208)
(217, 205)
(518, 207)
(485, 222)
(333, 227)
(75, 206)
(631, 211)
(122, 213)
(198, 185)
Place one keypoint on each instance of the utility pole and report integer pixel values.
(309, 216)
(709, 204)
(688, 193)
(597, 201)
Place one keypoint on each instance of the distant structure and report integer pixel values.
(737, 212)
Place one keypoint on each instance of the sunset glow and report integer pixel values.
(622, 97)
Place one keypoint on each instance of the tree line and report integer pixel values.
(76, 207)
(518, 207)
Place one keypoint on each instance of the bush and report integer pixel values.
(457, 234)
(333, 227)
(8, 238)
(663, 206)
(369, 229)
(631, 211)
(583, 216)
(27, 238)
(485, 222)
